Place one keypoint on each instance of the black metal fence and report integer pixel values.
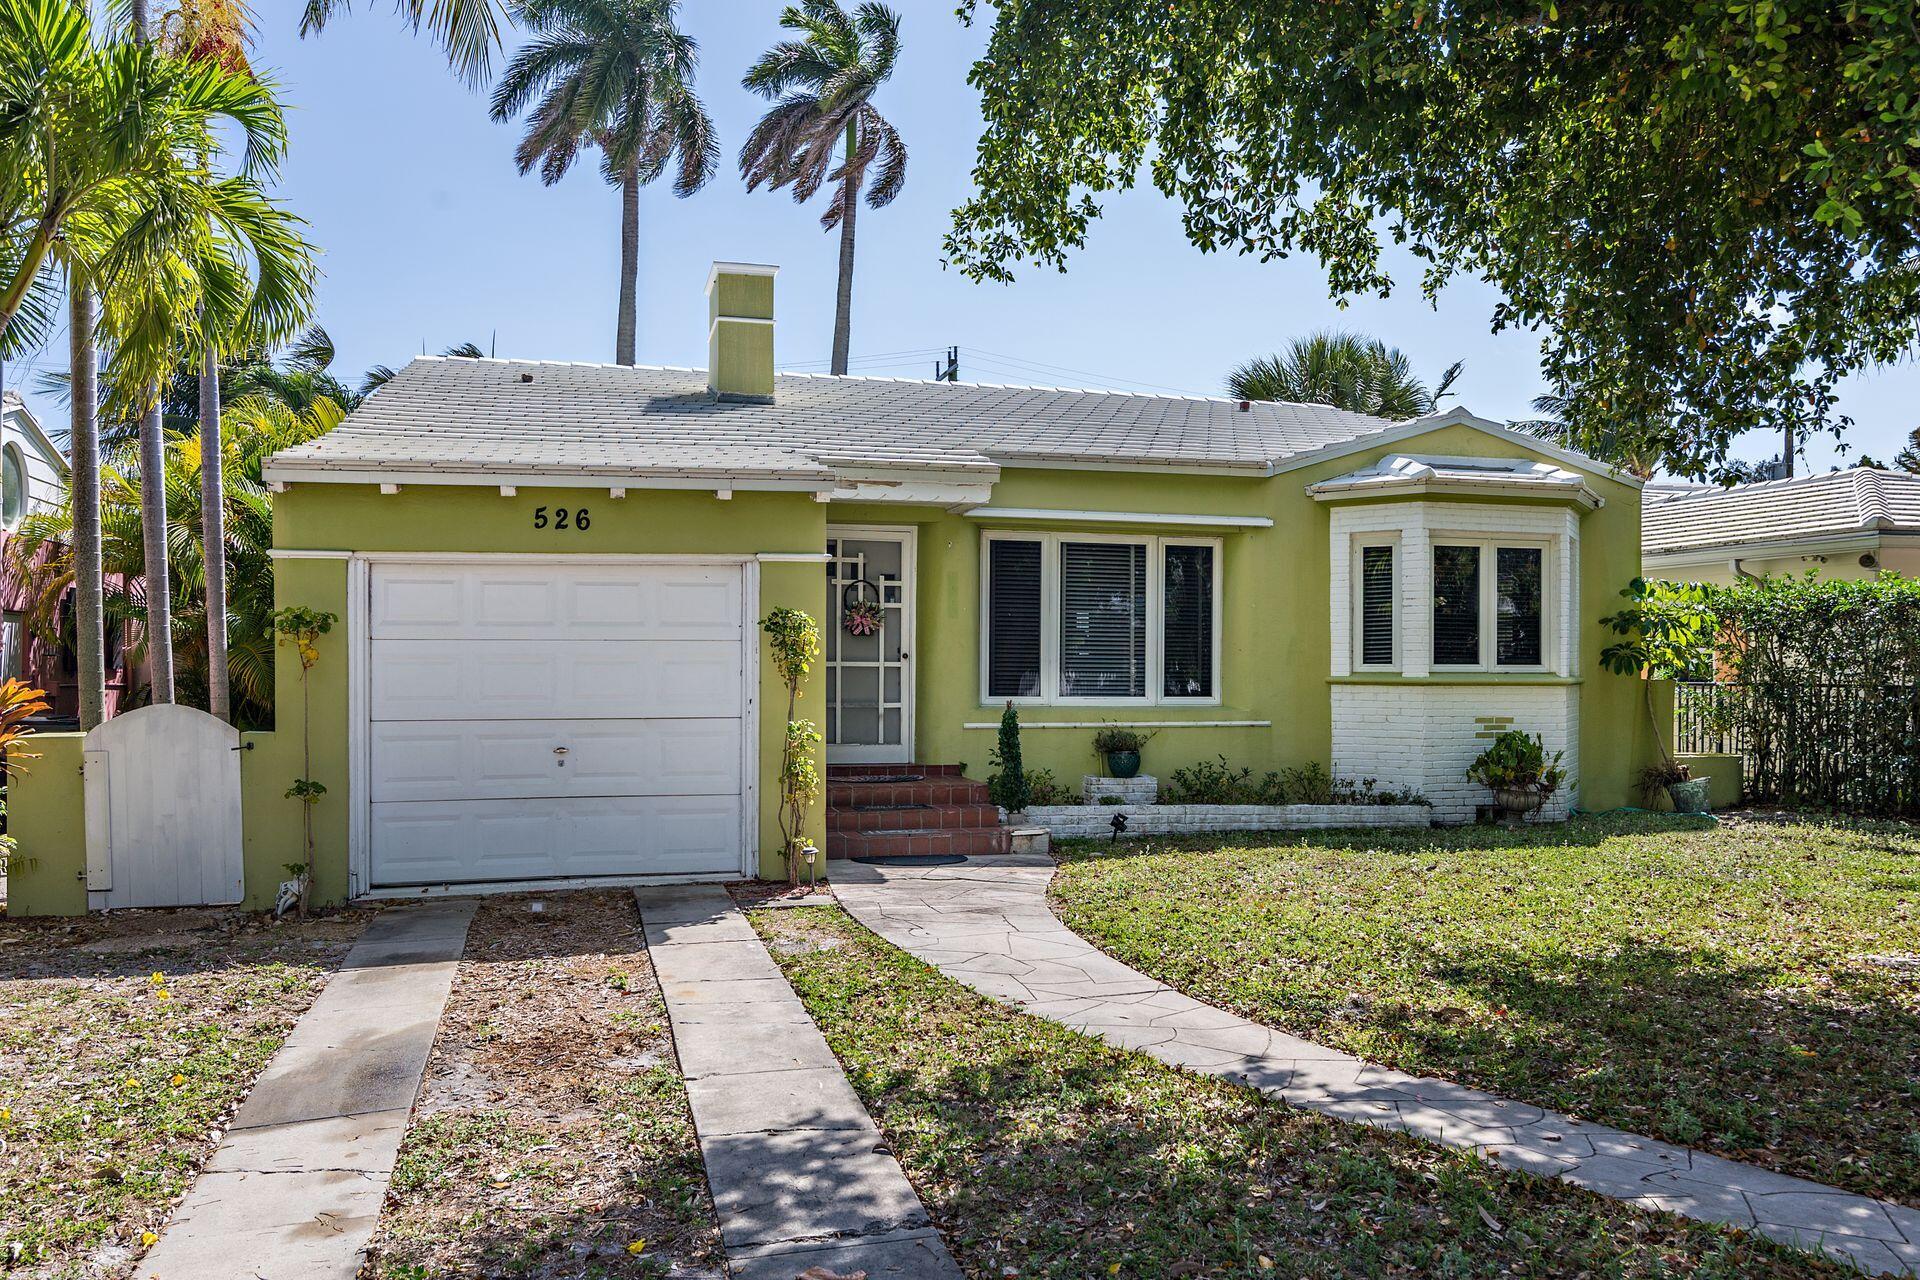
(1849, 746)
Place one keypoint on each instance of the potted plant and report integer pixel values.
(1120, 747)
(1519, 772)
(1667, 632)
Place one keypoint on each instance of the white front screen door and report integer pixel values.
(541, 721)
(869, 636)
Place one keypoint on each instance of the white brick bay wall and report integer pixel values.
(1424, 737)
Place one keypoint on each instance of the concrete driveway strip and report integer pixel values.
(801, 1176)
(986, 923)
(293, 1190)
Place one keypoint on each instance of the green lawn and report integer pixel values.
(1710, 985)
(1044, 1153)
(125, 1044)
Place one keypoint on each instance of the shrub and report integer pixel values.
(1008, 784)
(1518, 762)
(1042, 788)
(1209, 782)
(1116, 737)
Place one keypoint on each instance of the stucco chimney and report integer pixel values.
(740, 331)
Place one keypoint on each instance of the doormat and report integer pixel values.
(915, 860)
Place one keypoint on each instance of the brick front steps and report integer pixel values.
(895, 810)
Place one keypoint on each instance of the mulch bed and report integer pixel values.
(552, 1136)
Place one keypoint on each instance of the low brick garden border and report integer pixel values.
(1069, 821)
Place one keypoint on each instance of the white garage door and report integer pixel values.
(534, 720)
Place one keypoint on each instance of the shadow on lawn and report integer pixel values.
(1687, 1045)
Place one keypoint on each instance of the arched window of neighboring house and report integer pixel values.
(13, 487)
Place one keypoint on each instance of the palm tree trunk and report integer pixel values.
(213, 535)
(153, 534)
(628, 323)
(88, 612)
(843, 298)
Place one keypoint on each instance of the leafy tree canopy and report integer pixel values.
(1709, 206)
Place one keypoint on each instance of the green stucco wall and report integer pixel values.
(1275, 629)
(1274, 643)
(47, 817)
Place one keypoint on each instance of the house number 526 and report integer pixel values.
(562, 518)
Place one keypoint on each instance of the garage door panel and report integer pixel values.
(504, 759)
(545, 602)
(564, 679)
(480, 840)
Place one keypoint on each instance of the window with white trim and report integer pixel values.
(1099, 618)
(1376, 602)
(1489, 604)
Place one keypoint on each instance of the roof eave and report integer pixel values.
(1453, 418)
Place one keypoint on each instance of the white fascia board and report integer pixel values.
(1773, 549)
(1119, 517)
(1454, 418)
(1057, 462)
(281, 474)
(1344, 490)
(40, 437)
(917, 493)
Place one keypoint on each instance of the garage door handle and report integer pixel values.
(560, 751)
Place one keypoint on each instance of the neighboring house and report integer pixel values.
(1844, 524)
(550, 579)
(33, 479)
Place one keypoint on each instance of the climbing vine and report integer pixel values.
(301, 627)
(795, 640)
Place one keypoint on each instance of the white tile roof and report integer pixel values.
(1837, 504)
(541, 417)
(1508, 477)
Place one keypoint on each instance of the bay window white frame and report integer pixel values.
(1490, 600)
(1357, 616)
(1050, 589)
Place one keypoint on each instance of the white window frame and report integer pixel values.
(1356, 627)
(1490, 599)
(1156, 546)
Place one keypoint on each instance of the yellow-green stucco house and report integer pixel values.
(548, 667)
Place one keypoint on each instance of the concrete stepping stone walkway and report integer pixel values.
(294, 1188)
(801, 1176)
(986, 923)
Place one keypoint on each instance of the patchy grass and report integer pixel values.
(552, 1137)
(125, 1045)
(1044, 1153)
(1712, 986)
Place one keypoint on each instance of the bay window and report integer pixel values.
(1097, 618)
(1489, 605)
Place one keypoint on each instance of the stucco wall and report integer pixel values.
(1276, 630)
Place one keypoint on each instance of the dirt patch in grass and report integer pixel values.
(748, 894)
(552, 1136)
(1044, 1153)
(1726, 987)
(126, 1043)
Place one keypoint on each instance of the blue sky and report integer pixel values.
(430, 238)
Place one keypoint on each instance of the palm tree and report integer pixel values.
(616, 75)
(100, 172)
(822, 88)
(468, 30)
(1346, 370)
(253, 428)
(1556, 423)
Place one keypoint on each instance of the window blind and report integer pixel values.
(1187, 628)
(1376, 606)
(1013, 619)
(1517, 629)
(1456, 606)
(1103, 620)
